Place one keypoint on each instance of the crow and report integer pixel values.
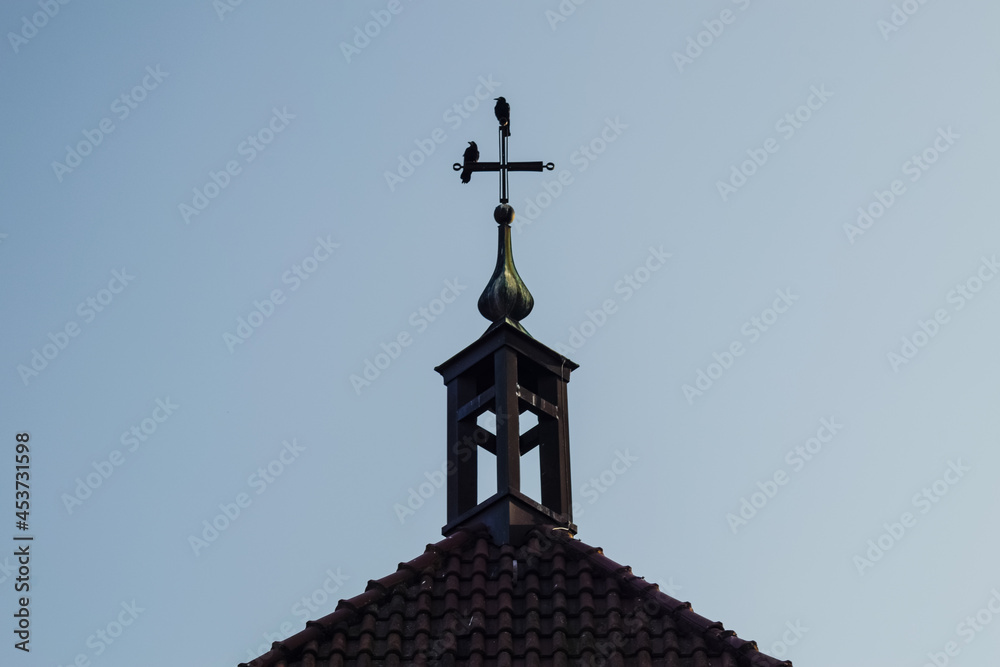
(471, 157)
(502, 111)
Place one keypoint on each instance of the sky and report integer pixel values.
(234, 249)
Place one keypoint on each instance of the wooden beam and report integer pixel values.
(536, 402)
(478, 405)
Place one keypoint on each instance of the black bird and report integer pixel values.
(502, 111)
(471, 157)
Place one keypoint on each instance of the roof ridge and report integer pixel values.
(375, 590)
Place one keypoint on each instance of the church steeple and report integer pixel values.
(507, 372)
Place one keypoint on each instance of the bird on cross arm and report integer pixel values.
(471, 156)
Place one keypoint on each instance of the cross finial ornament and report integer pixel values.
(506, 297)
(472, 164)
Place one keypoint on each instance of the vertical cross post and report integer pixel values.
(503, 166)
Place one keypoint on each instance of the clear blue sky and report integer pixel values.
(770, 241)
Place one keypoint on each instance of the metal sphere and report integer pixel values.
(503, 214)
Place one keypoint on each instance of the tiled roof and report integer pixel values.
(553, 601)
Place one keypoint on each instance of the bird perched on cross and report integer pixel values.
(502, 111)
(471, 156)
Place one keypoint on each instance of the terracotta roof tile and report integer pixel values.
(553, 601)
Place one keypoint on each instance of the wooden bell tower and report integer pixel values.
(508, 372)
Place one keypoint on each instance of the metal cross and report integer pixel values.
(503, 166)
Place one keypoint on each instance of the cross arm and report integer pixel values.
(478, 166)
(511, 166)
(529, 166)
